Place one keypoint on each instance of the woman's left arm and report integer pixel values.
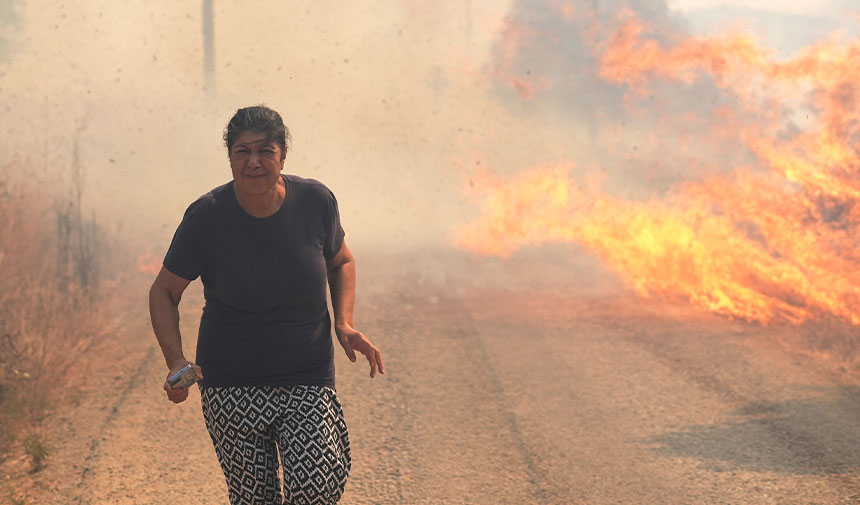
(341, 282)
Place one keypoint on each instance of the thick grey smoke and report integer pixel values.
(546, 63)
(558, 45)
(558, 55)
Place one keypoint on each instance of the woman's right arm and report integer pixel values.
(164, 297)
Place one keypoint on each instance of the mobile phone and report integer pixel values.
(183, 378)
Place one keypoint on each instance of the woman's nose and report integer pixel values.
(253, 161)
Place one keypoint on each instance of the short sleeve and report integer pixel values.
(334, 233)
(186, 257)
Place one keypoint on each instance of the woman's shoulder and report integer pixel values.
(308, 187)
(208, 203)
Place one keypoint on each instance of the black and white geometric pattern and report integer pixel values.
(250, 425)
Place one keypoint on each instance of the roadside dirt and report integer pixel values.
(500, 388)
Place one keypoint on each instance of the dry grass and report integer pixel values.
(53, 304)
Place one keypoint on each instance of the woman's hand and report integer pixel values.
(341, 281)
(353, 340)
(178, 395)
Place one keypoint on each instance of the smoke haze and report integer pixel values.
(376, 98)
(396, 105)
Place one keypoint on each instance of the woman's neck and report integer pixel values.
(263, 204)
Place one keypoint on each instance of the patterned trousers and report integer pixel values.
(251, 425)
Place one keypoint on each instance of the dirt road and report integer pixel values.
(499, 393)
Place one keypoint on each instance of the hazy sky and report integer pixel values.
(392, 103)
(784, 27)
(794, 6)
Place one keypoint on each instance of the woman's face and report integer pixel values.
(256, 162)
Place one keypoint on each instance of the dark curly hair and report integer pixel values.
(260, 119)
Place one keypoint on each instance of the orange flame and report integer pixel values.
(775, 241)
(148, 263)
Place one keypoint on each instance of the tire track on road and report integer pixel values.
(745, 389)
(481, 357)
(93, 454)
(439, 426)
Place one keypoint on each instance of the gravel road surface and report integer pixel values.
(499, 392)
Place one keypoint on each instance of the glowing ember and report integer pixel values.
(777, 240)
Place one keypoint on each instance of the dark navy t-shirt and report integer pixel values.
(266, 320)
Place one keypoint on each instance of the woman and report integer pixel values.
(264, 246)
